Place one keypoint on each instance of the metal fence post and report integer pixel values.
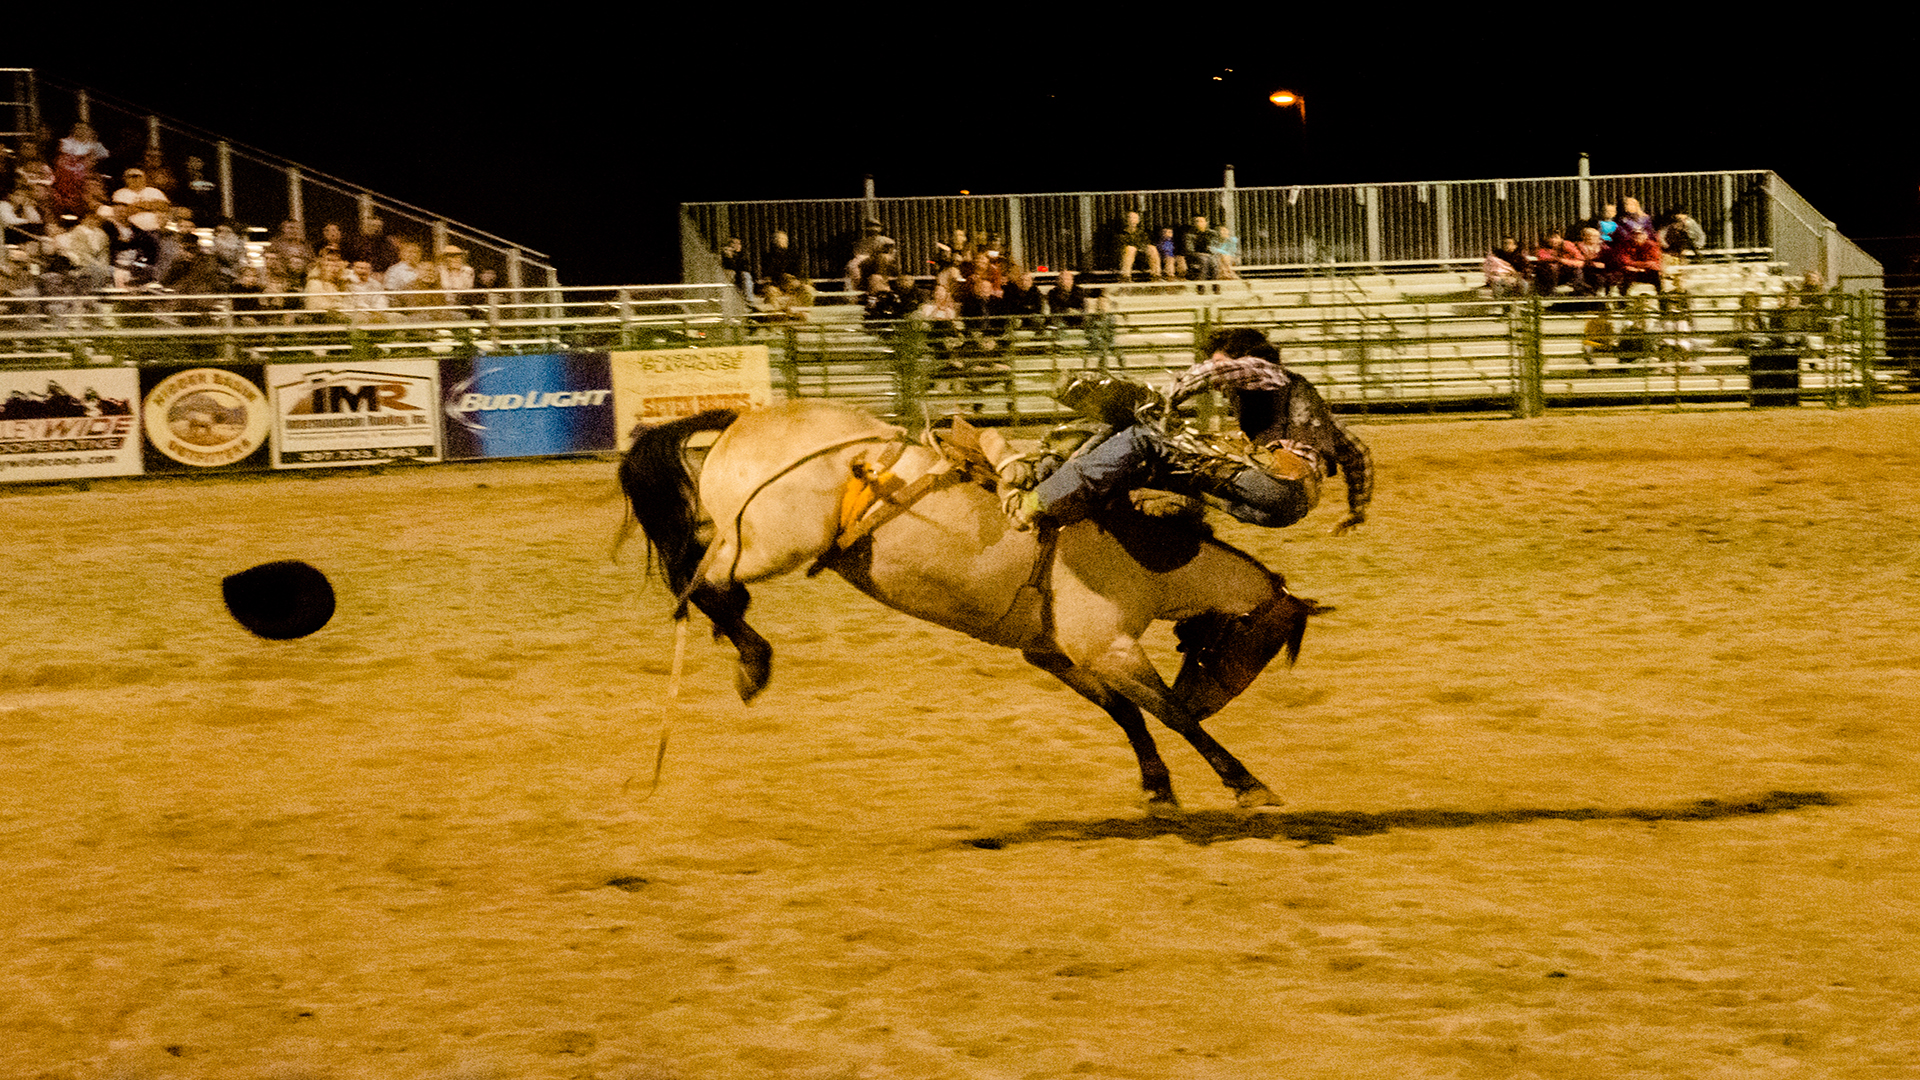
(296, 208)
(1016, 232)
(223, 163)
(1443, 220)
(1370, 197)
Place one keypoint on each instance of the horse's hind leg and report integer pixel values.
(728, 608)
(1125, 668)
(1155, 780)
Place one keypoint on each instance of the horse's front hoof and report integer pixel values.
(1259, 796)
(751, 675)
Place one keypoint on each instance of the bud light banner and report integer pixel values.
(60, 424)
(527, 406)
(363, 414)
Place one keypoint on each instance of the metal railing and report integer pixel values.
(1442, 352)
(146, 327)
(261, 189)
(1432, 223)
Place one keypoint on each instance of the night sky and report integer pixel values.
(584, 145)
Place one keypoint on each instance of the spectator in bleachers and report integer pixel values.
(1555, 263)
(229, 251)
(956, 252)
(32, 170)
(1505, 268)
(366, 294)
(199, 193)
(1636, 259)
(1171, 266)
(1020, 303)
(404, 275)
(1226, 253)
(88, 250)
(779, 261)
(20, 218)
(328, 287)
(144, 207)
(879, 302)
(1131, 241)
(1606, 223)
(158, 175)
(979, 298)
(287, 259)
(1067, 301)
(1596, 272)
(1196, 251)
(1633, 218)
(371, 244)
(733, 260)
(80, 154)
(907, 288)
(456, 278)
(330, 238)
(1682, 237)
(788, 299)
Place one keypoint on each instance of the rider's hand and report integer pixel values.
(1352, 518)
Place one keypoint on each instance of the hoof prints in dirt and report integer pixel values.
(1331, 826)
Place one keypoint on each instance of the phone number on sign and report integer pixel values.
(384, 454)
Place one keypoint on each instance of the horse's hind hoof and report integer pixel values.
(1259, 796)
(1166, 806)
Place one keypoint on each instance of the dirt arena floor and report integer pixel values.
(1605, 767)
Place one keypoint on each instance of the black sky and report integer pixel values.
(581, 139)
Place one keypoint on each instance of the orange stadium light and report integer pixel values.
(1287, 99)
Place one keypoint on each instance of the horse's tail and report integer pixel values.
(665, 499)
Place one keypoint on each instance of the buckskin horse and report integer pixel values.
(780, 489)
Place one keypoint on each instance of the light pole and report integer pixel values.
(1287, 99)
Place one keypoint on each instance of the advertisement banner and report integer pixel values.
(330, 414)
(57, 425)
(527, 406)
(658, 385)
(205, 417)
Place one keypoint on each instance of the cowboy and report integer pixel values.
(1295, 444)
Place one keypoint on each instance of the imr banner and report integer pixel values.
(330, 414)
(527, 406)
(658, 385)
(205, 417)
(56, 425)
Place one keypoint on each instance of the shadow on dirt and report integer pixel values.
(1331, 826)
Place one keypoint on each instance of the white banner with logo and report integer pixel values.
(654, 386)
(56, 425)
(354, 414)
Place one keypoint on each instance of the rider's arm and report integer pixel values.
(1228, 373)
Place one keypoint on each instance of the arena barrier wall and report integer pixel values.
(78, 423)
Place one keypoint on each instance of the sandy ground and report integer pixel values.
(1527, 763)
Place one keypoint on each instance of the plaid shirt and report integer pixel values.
(1302, 423)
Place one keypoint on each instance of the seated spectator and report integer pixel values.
(733, 261)
(955, 252)
(366, 294)
(199, 193)
(229, 251)
(287, 259)
(158, 175)
(779, 261)
(1595, 270)
(879, 303)
(910, 294)
(1682, 238)
(787, 300)
(1131, 241)
(1556, 263)
(145, 203)
(979, 299)
(1226, 253)
(371, 244)
(1636, 259)
(456, 277)
(1196, 251)
(1632, 217)
(329, 287)
(1067, 301)
(1020, 303)
(1171, 265)
(80, 154)
(1606, 223)
(1503, 268)
(32, 171)
(330, 237)
(20, 218)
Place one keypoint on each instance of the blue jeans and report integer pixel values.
(1134, 457)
